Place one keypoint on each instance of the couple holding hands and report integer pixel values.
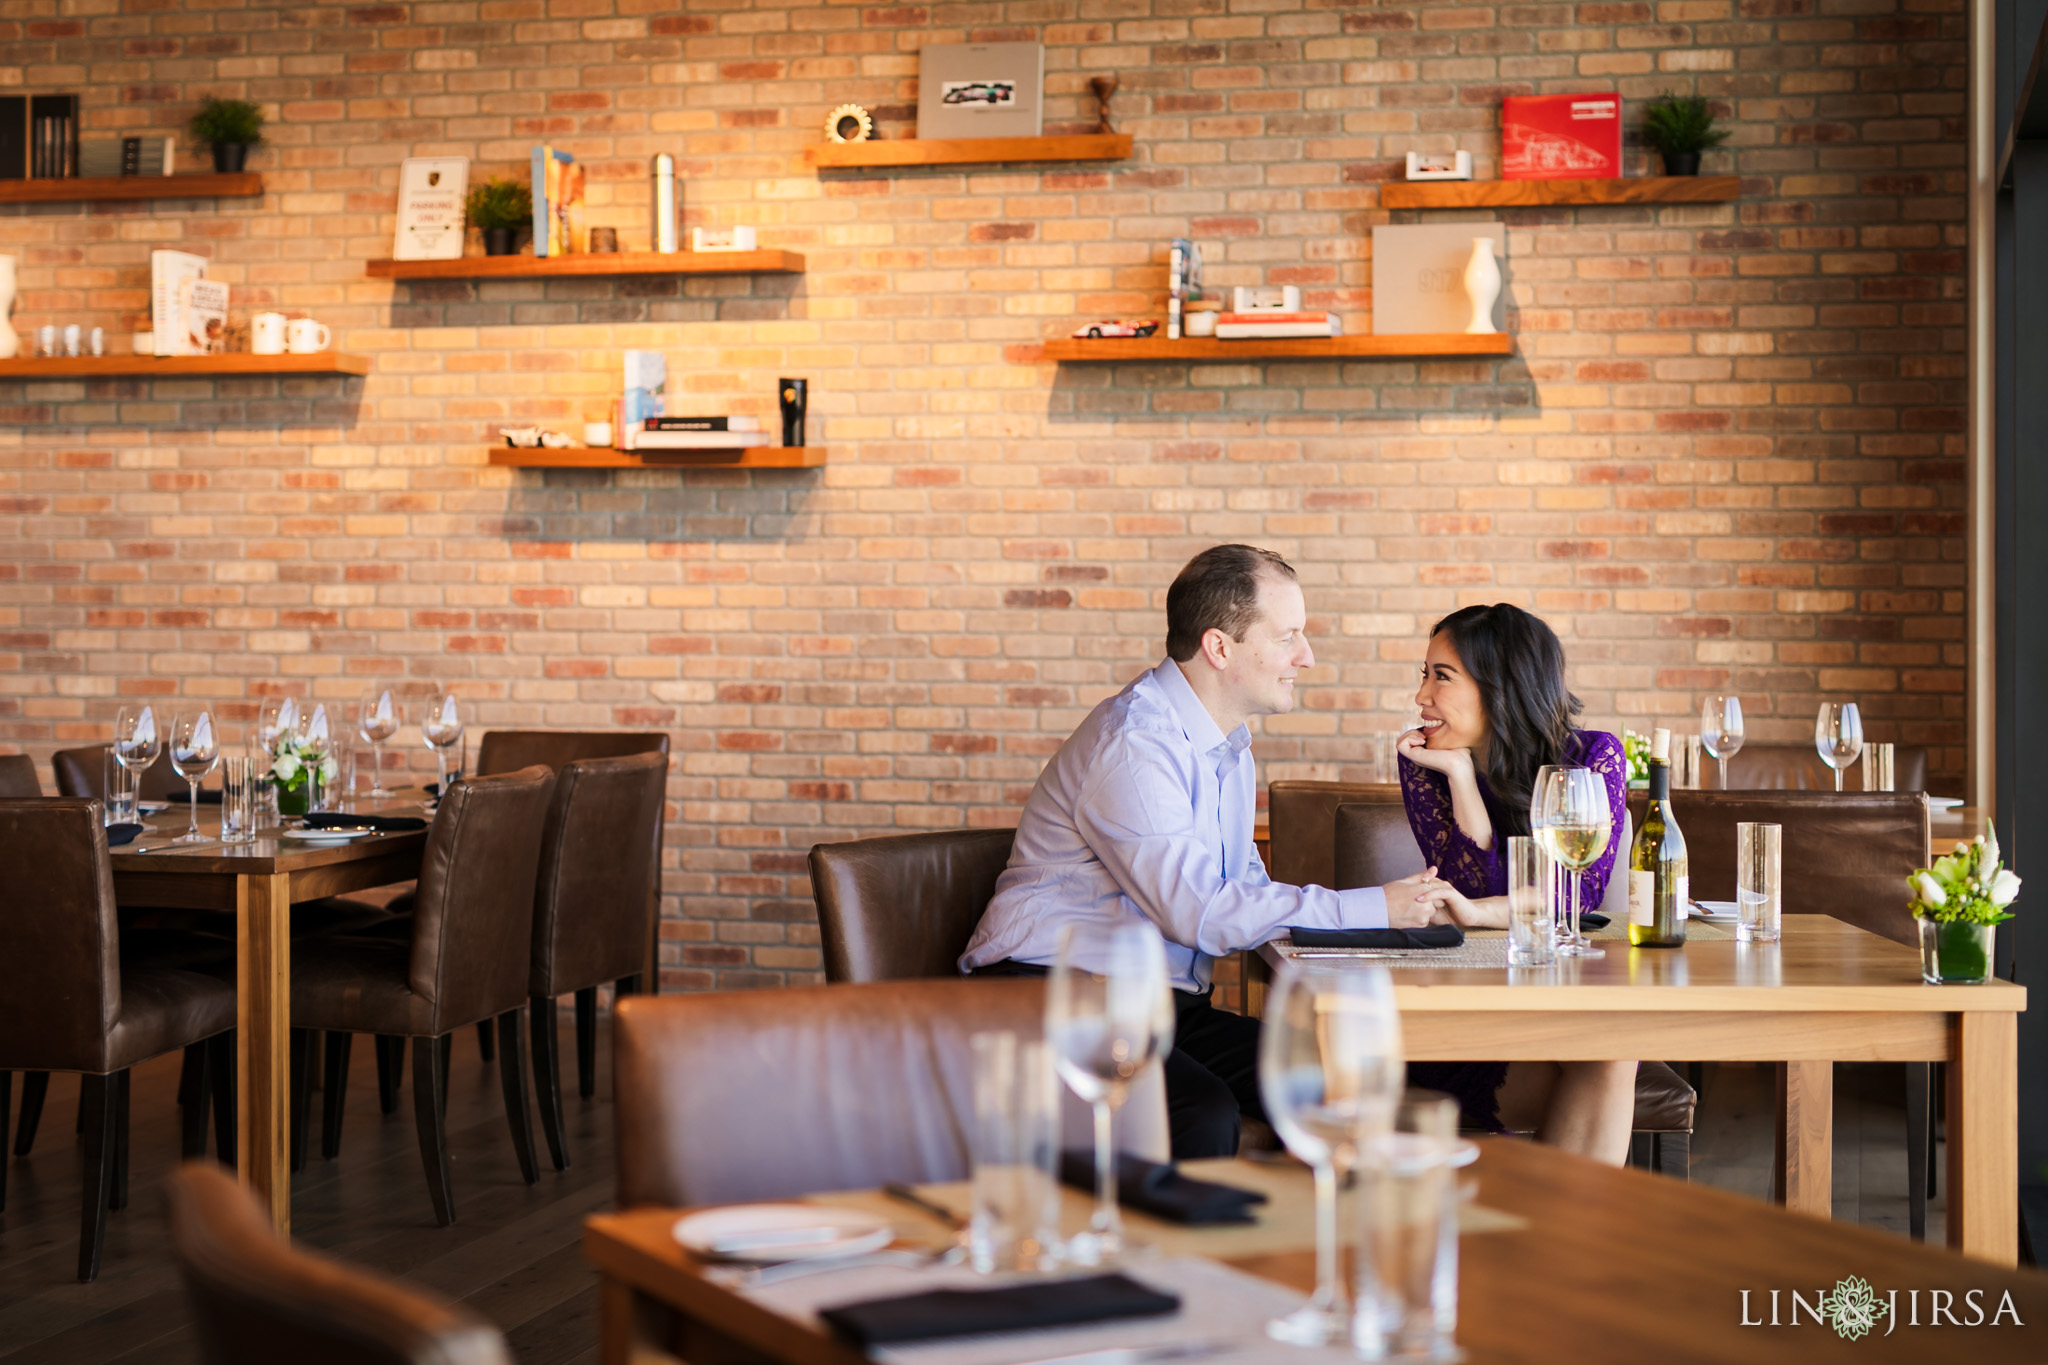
(1147, 810)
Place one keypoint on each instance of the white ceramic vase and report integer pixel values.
(1482, 287)
(10, 344)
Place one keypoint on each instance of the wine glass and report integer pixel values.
(1838, 735)
(1108, 1014)
(1538, 818)
(376, 721)
(1721, 730)
(137, 743)
(1330, 1072)
(441, 728)
(1577, 825)
(195, 748)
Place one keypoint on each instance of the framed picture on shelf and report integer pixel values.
(980, 90)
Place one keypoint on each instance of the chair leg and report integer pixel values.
(96, 1103)
(188, 1078)
(35, 1087)
(1640, 1154)
(390, 1071)
(483, 1041)
(1672, 1153)
(118, 1199)
(586, 1042)
(223, 1061)
(6, 1102)
(302, 1094)
(1919, 1081)
(626, 985)
(512, 1080)
(429, 1094)
(547, 1075)
(334, 1099)
(1937, 1105)
(447, 1045)
(193, 1107)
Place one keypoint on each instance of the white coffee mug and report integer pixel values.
(266, 334)
(308, 336)
(597, 433)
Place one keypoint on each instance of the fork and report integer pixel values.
(761, 1276)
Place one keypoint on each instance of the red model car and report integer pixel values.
(1118, 327)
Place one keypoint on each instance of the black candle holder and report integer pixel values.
(795, 397)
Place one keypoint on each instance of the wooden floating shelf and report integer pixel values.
(591, 457)
(1451, 345)
(1501, 194)
(594, 263)
(970, 150)
(109, 188)
(181, 366)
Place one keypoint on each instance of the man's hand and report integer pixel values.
(1413, 746)
(1412, 901)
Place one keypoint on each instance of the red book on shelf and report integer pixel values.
(1560, 137)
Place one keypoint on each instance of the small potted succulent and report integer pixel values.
(295, 768)
(500, 208)
(232, 127)
(1959, 902)
(1680, 127)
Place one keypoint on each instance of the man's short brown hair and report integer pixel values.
(1218, 590)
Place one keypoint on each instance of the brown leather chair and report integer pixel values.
(256, 1299)
(18, 778)
(599, 871)
(86, 1006)
(903, 906)
(746, 1095)
(1301, 826)
(1797, 767)
(468, 959)
(82, 773)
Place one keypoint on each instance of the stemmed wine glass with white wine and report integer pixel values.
(1721, 730)
(137, 743)
(1577, 823)
(1108, 1015)
(1838, 735)
(441, 728)
(1553, 895)
(1330, 1072)
(195, 748)
(377, 719)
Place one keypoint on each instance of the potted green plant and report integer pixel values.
(294, 768)
(1636, 749)
(232, 127)
(1680, 127)
(1959, 902)
(500, 208)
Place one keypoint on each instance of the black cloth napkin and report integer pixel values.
(1429, 936)
(1158, 1188)
(1013, 1308)
(383, 824)
(118, 835)
(208, 796)
(1592, 919)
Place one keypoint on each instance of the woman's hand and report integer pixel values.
(1414, 746)
(1412, 901)
(1454, 907)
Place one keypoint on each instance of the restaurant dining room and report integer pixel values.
(1260, 682)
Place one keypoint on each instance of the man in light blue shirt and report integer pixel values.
(1147, 810)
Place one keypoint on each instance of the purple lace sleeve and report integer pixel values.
(1602, 753)
(1475, 871)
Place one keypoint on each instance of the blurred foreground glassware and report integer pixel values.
(1721, 730)
(1108, 1016)
(441, 728)
(1015, 1223)
(1532, 924)
(1759, 900)
(195, 748)
(238, 800)
(1408, 1241)
(1838, 735)
(376, 721)
(1330, 1073)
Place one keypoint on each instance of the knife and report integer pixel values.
(1141, 1355)
(905, 1194)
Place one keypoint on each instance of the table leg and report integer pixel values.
(263, 1017)
(1983, 1136)
(632, 1329)
(1806, 1137)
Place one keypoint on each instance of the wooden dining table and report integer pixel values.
(1560, 1259)
(259, 883)
(1827, 992)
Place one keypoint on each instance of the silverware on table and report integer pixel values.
(761, 1276)
(907, 1194)
(1143, 1355)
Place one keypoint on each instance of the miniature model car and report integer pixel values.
(1118, 327)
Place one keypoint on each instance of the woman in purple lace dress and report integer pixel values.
(1494, 710)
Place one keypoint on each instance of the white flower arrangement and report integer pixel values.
(290, 758)
(1969, 886)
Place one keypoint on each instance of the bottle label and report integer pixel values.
(1642, 898)
(1684, 884)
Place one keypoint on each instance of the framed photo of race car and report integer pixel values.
(981, 90)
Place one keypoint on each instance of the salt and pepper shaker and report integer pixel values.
(73, 334)
(99, 341)
(664, 236)
(46, 340)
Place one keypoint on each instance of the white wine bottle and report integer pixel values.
(1658, 884)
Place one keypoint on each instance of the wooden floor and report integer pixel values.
(514, 1253)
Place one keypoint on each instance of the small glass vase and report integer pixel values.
(1955, 952)
(294, 798)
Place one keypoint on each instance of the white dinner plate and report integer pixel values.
(1465, 1153)
(1946, 802)
(326, 836)
(763, 1233)
(1715, 909)
(152, 807)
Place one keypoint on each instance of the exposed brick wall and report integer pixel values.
(1726, 454)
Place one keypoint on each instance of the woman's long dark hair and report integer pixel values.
(1519, 666)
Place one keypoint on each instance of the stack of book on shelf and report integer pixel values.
(697, 433)
(1262, 325)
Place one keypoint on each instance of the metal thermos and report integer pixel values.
(664, 202)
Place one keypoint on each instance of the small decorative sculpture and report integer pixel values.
(10, 343)
(1482, 287)
(849, 123)
(1104, 87)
